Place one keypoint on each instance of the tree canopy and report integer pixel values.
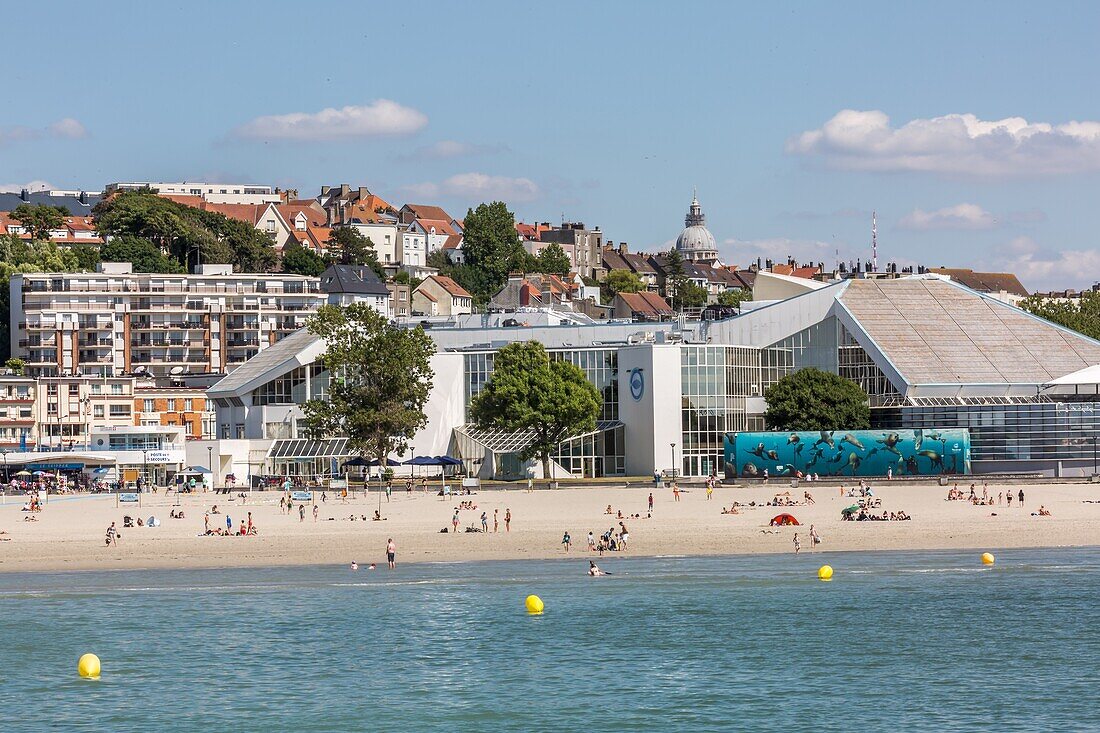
(1082, 315)
(734, 297)
(380, 379)
(812, 399)
(624, 281)
(143, 254)
(39, 219)
(529, 392)
(347, 246)
(299, 260)
(490, 243)
(552, 260)
(191, 236)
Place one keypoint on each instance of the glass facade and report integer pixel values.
(1050, 431)
(291, 388)
(715, 382)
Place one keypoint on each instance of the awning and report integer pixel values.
(1088, 375)
(297, 448)
(501, 441)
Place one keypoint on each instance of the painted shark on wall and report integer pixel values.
(848, 453)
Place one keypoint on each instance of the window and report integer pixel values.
(225, 431)
(97, 388)
(120, 411)
(116, 388)
(97, 411)
(188, 405)
(149, 406)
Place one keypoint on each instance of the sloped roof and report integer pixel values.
(646, 304)
(423, 211)
(984, 282)
(72, 204)
(452, 287)
(353, 279)
(934, 331)
(442, 226)
(453, 242)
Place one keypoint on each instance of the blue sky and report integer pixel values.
(608, 113)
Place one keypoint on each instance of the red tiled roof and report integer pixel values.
(442, 226)
(452, 287)
(646, 304)
(453, 241)
(290, 211)
(984, 282)
(248, 213)
(423, 211)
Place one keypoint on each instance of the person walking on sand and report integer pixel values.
(651, 502)
(389, 491)
(316, 511)
(567, 540)
(1008, 498)
(249, 523)
(391, 553)
(485, 522)
(656, 479)
(797, 543)
(815, 538)
(112, 535)
(675, 491)
(496, 520)
(454, 521)
(1020, 496)
(710, 489)
(507, 520)
(591, 541)
(206, 522)
(301, 513)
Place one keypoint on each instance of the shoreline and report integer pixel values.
(69, 534)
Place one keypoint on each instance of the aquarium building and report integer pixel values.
(931, 355)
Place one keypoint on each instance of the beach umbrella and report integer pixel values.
(850, 510)
(22, 473)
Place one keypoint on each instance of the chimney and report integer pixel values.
(25, 195)
(363, 193)
(345, 189)
(83, 197)
(623, 250)
(324, 191)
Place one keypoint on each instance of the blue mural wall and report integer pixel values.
(854, 453)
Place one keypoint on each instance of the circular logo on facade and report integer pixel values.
(637, 384)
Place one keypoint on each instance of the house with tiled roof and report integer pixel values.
(1003, 286)
(436, 231)
(411, 212)
(536, 290)
(73, 230)
(621, 258)
(452, 247)
(643, 306)
(440, 295)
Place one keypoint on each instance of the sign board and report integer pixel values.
(162, 456)
(54, 466)
(301, 496)
(128, 498)
(338, 483)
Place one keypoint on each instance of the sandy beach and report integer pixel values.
(69, 532)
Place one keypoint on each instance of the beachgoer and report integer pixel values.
(624, 535)
(484, 522)
(656, 479)
(815, 538)
(316, 511)
(206, 522)
(112, 535)
(228, 523)
(507, 520)
(593, 569)
(591, 541)
(391, 553)
(454, 520)
(797, 543)
(567, 540)
(301, 512)
(1021, 497)
(651, 501)
(675, 491)
(354, 565)
(1008, 498)
(496, 520)
(249, 522)
(710, 490)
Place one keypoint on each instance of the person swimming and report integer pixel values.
(593, 569)
(354, 565)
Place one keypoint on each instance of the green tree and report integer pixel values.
(675, 278)
(381, 377)
(490, 243)
(734, 297)
(39, 219)
(552, 260)
(623, 281)
(347, 246)
(86, 256)
(16, 366)
(529, 392)
(812, 399)
(691, 295)
(1081, 315)
(301, 261)
(145, 255)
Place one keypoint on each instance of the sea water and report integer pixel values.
(927, 641)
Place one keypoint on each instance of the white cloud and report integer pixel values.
(445, 149)
(68, 128)
(478, 186)
(379, 118)
(960, 217)
(954, 144)
(29, 185)
(1040, 268)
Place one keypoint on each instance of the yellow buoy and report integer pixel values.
(987, 558)
(825, 572)
(88, 667)
(534, 605)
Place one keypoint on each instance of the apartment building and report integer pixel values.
(115, 322)
(183, 406)
(69, 408)
(583, 246)
(215, 193)
(17, 417)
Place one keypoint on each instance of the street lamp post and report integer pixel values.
(672, 450)
(144, 465)
(210, 464)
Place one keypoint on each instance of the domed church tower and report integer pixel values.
(696, 243)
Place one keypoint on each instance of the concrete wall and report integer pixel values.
(652, 418)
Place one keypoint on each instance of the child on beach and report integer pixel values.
(797, 543)
(567, 540)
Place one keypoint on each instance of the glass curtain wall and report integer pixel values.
(715, 382)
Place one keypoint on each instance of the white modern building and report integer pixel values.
(929, 353)
(215, 193)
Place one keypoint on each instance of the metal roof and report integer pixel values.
(294, 350)
(301, 448)
(502, 441)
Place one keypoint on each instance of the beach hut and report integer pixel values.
(782, 520)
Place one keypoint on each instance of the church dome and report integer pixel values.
(695, 241)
